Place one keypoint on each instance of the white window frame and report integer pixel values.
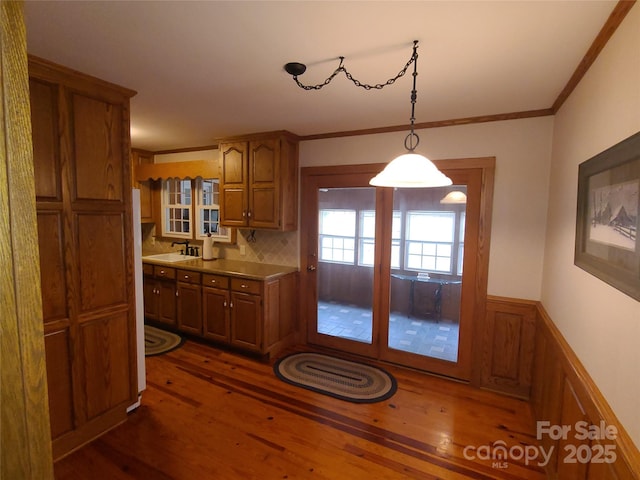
(463, 220)
(336, 243)
(429, 248)
(396, 238)
(169, 206)
(209, 207)
(196, 208)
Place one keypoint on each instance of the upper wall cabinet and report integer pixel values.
(141, 157)
(259, 182)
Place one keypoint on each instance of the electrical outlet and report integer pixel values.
(243, 249)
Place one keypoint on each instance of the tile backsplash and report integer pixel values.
(264, 246)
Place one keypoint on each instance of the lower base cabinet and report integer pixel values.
(189, 302)
(160, 294)
(216, 316)
(257, 316)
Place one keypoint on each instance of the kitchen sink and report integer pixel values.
(170, 257)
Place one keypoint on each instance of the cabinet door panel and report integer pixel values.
(44, 128)
(52, 266)
(106, 363)
(140, 157)
(233, 207)
(264, 162)
(97, 143)
(264, 212)
(167, 302)
(245, 321)
(102, 274)
(264, 168)
(215, 313)
(59, 382)
(189, 308)
(234, 157)
(150, 298)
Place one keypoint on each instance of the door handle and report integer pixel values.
(311, 268)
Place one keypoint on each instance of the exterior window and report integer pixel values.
(463, 219)
(208, 210)
(176, 205)
(429, 241)
(337, 236)
(191, 209)
(366, 238)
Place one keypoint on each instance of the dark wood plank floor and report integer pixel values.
(210, 414)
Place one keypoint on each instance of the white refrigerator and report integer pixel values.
(137, 269)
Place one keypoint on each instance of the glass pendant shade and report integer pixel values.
(455, 197)
(411, 170)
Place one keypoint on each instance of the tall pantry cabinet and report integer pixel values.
(81, 149)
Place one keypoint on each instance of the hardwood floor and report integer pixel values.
(211, 414)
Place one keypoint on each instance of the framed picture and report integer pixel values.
(607, 218)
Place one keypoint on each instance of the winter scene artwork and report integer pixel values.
(613, 214)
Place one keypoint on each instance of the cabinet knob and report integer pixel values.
(244, 286)
(177, 293)
(161, 272)
(249, 214)
(224, 304)
(186, 277)
(213, 281)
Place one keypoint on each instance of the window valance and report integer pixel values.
(191, 169)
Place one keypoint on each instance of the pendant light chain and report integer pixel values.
(358, 83)
(409, 141)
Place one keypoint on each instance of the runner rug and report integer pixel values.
(351, 381)
(157, 342)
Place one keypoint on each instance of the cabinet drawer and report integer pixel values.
(217, 281)
(187, 276)
(164, 272)
(147, 269)
(247, 286)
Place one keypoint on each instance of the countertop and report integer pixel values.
(233, 268)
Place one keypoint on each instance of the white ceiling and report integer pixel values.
(210, 69)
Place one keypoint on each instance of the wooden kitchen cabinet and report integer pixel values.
(215, 308)
(80, 134)
(254, 315)
(246, 314)
(160, 294)
(259, 182)
(189, 306)
(143, 157)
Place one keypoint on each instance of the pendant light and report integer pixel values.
(411, 170)
(455, 197)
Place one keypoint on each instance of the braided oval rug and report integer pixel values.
(157, 341)
(343, 379)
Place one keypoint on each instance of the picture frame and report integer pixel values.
(607, 220)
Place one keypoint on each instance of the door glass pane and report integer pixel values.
(426, 272)
(346, 242)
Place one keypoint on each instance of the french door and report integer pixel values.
(395, 274)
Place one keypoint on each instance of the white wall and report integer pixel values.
(211, 155)
(601, 324)
(522, 149)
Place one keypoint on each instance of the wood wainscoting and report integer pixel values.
(509, 334)
(563, 393)
(526, 356)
